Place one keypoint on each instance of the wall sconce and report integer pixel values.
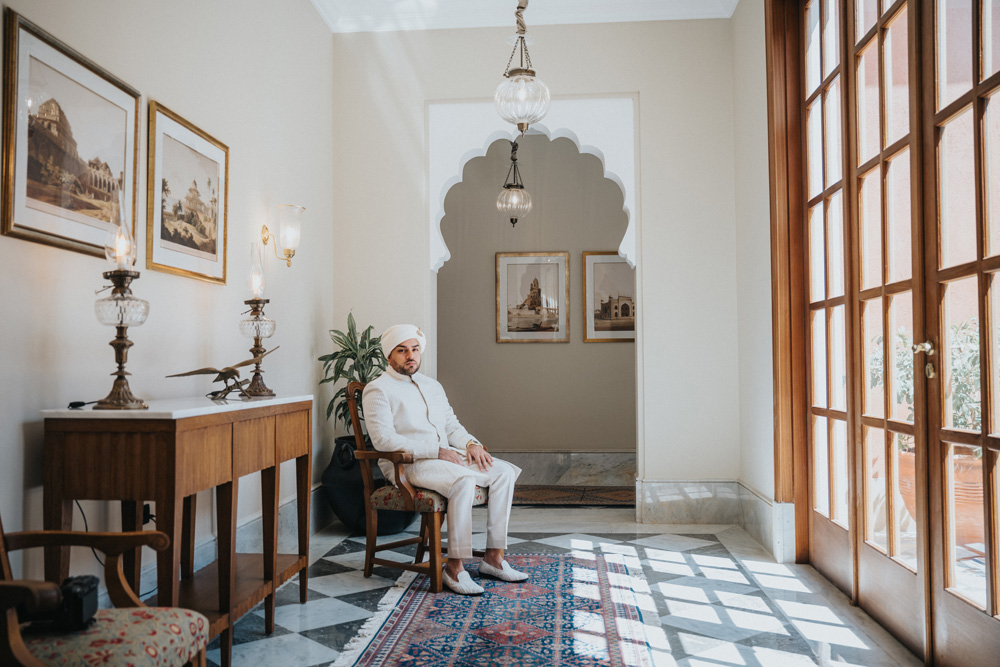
(121, 310)
(289, 231)
(257, 326)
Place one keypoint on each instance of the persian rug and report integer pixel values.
(573, 611)
(538, 494)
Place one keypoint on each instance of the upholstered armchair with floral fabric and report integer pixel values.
(132, 634)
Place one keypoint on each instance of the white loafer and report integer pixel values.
(464, 585)
(505, 572)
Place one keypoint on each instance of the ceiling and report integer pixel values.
(385, 15)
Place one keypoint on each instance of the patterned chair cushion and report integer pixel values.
(137, 637)
(391, 498)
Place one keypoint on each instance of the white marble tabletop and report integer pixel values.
(174, 408)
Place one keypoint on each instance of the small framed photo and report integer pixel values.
(187, 198)
(69, 141)
(608, 298)
(532, 297)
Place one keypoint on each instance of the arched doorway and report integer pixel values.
(563, 411)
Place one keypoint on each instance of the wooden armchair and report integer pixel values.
(401, 496)
(132, 634)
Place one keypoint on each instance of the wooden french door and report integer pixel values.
(962, 221)
(901, 190)
(867, 425)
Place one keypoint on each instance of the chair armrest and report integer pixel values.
(112, 544)
(33, 595)
(395, 457)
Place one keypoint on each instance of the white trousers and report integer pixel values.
(458, 484)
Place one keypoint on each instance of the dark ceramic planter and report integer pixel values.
(344, 489)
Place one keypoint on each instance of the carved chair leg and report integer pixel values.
(422, 547)
(371, 535)
(434, 546)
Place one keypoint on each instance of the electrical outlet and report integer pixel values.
(147, 513)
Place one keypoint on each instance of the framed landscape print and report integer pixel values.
(532, 297)
(608, 298)
(69, 141)
(187, 198)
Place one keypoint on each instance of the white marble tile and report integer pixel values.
(578, 541)
(689, 502)
(316, 614)
(347, 582)
(279, 651)
(673, 542)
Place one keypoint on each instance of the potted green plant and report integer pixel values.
(356, 358)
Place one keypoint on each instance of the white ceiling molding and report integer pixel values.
(454, 127)
(387, 15)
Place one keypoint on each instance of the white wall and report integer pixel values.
(257, 76)
(683, 75)
(753, 234)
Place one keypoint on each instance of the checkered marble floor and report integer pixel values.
(719, 597)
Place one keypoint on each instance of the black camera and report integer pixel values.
(79, 604)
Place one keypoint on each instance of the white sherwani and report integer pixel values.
(412, 414)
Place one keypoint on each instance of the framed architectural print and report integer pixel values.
(532, 297)
(608, 298)
(187, 198)
(70, 130)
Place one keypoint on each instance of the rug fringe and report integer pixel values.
(354, 648)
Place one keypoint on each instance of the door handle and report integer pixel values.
(926, 346)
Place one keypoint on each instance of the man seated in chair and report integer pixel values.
(406, 411)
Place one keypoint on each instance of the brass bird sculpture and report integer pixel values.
(226, 375)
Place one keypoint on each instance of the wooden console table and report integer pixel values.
(167, 454)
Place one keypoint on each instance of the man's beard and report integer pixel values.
(403, 370)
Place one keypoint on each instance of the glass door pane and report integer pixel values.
(960, 377)
(875, 505)
(896, 61)
(874, 355)
(957, 185)
(954, 49)
(966, 524)
(901, 356)
(904, 450)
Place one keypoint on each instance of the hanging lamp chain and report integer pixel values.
(520, 46)
(513, 169)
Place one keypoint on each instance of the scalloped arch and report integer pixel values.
(604, 121)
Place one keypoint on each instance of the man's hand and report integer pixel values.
(450, 455)
(477, 454)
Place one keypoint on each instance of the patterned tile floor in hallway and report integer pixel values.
(720, 598)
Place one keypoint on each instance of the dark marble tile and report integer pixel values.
(365, 599)
(335, 636)
(289, 594)
(250, 628)
(347, 546)
(323, 567)
(535, 548)
(790, 643)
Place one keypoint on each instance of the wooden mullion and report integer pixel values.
(829, 413)
(992, 264)
(905, 428)
(992, 442)
(898, 287)
(967, 438)
(791, 372)
(957, 272)
(992, 539)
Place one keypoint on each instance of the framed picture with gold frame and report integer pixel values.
(70, 132)
(608, 298)
(532, 297)
(187, 198)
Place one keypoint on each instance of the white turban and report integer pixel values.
(400, 333)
